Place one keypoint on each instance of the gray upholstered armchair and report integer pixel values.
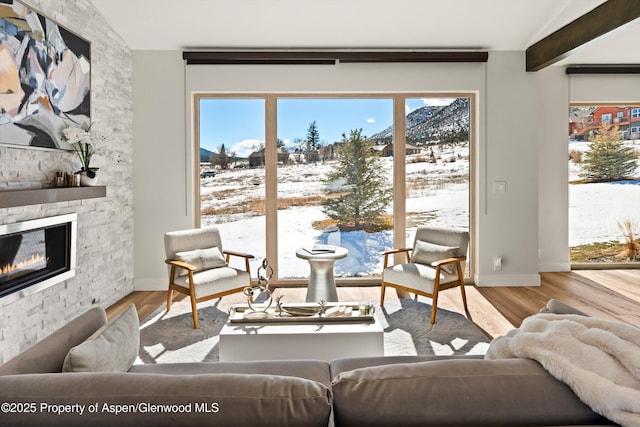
(435, 263)
(200, 267)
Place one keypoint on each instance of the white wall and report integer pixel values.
(507, 224)
(160, 156)
(553, 176)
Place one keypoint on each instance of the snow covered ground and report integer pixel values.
(437, 193)
(595, 210)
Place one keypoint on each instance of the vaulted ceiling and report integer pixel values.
(363, 24)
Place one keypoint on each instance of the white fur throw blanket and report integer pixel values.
(598, 359)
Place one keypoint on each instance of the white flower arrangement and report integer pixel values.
(84, 143)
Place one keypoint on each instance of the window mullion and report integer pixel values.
(271, 182)
(399, 170)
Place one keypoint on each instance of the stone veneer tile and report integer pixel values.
(105, 226)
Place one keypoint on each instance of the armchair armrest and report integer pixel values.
(394, 251)
(181, 264)
(238, 254)
(448, 261)
(246, 257)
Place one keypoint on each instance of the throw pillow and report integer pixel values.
(426, 253)
(112, 348)
(202, 259)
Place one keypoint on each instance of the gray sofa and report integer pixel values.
(381, 391)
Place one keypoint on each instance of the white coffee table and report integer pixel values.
(278, 341)
(322, 284)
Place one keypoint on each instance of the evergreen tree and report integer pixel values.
(312, 142)
(221, 158)
(364, 192)
(608, 158)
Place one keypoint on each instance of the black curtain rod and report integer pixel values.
(315, 57)
(604, 69)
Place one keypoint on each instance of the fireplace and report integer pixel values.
(36, 254)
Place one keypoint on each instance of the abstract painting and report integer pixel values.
(45, 79)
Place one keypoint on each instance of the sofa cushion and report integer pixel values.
(350, 363)
(48, 354)
(114, 347)
(416, 276)
(426, 253)
(314, 370)
(169, 400)
(456, 392)
(216, 280)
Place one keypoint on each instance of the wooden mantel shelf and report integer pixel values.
(14, 198)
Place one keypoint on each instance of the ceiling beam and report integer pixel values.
(607, 17)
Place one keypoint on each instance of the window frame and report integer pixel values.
(399, 169)
(574, 265)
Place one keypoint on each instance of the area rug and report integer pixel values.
(170, 337)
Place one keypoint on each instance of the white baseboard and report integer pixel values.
(150, 284)
(507, 280)
(554, 267)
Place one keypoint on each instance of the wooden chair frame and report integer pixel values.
(437, 287)
(191, 292)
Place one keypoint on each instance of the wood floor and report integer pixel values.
(609, 294)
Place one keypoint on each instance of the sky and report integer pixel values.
(239, 123)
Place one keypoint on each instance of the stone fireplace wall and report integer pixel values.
(105, 225)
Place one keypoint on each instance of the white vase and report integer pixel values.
(85, 181)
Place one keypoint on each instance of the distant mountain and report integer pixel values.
(430, 124)
(205, 154)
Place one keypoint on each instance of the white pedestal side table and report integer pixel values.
(322, 284)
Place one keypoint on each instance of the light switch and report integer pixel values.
(499, 186)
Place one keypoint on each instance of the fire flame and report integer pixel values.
(34, 260)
